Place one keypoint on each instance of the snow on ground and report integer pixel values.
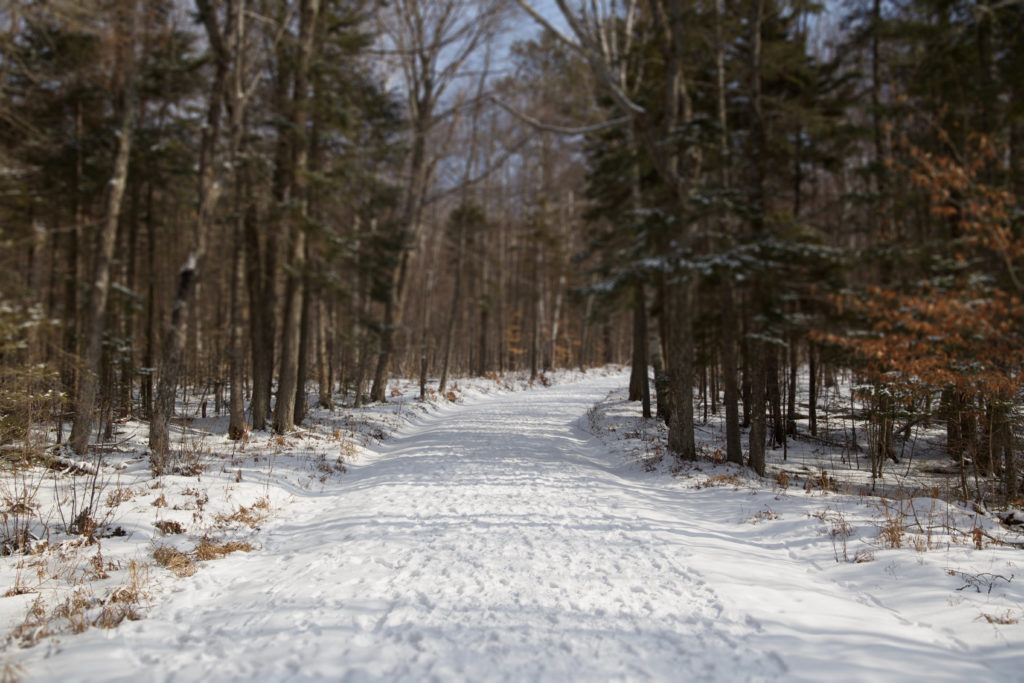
(528, 535)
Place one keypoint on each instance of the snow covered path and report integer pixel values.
(499, 541)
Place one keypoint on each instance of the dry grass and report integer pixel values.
(839, 531)
(763, 515)
(80, 609)
(349, 450)
(124, 602)
(169, 527)
(862, 556)
(251, 516)
(19, 511)
(11, 673)
(721, 480)
(33, 627)
(179, 563)
(1005, 619)
(118, 495)
(135, 589)
(208, 549)
(822, 481)
(893, 526)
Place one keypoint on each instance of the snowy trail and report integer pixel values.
(499, 541)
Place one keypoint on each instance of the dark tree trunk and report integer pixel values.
(236, 351)
(409, 229)
(291, 332)
(733, 446)
(126, 361)
(778, 431)
(324, 375)
(638, 390)
(662, 389)
(236, 360)
(680, 370)
(261, 264)
(746, 385)
(791, 391)
(812, 389)
(305, 340)
(758, 426)
(952, 406)
(291, 337)
(449, 335)
(70, 343)
(387, 339)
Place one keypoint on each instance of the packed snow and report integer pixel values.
(519, 535)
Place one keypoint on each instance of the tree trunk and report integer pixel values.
(323, 363)
(745, 384)
(556, 319)
(449, 336)
(758, 426)
(952, 405)
(71, 340)
(778, 432)
(177, 335)
(305, 338)
(85, 400)
(244, 214)
(410, 221)
(638, 390)
(126, 362)
(733, 446)
(261, 264)
(662, 388)
(149, 356)
(680, 370)
(236, 360)
(791, 391)
(812, 389)
(291, 332)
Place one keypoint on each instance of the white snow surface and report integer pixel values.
(500, 539)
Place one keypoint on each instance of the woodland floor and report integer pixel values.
(533, 535)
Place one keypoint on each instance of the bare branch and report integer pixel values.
(589, 48)
(562, 130)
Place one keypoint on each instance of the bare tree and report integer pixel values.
(431, 42)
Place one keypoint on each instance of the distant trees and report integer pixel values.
(743, 170)
(726, 191)
(220, 201)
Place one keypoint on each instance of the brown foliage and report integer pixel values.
(964, 334)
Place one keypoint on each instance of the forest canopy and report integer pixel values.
(272, 201)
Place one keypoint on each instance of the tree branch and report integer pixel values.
(562, 130)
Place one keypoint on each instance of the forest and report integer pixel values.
(267, 203)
